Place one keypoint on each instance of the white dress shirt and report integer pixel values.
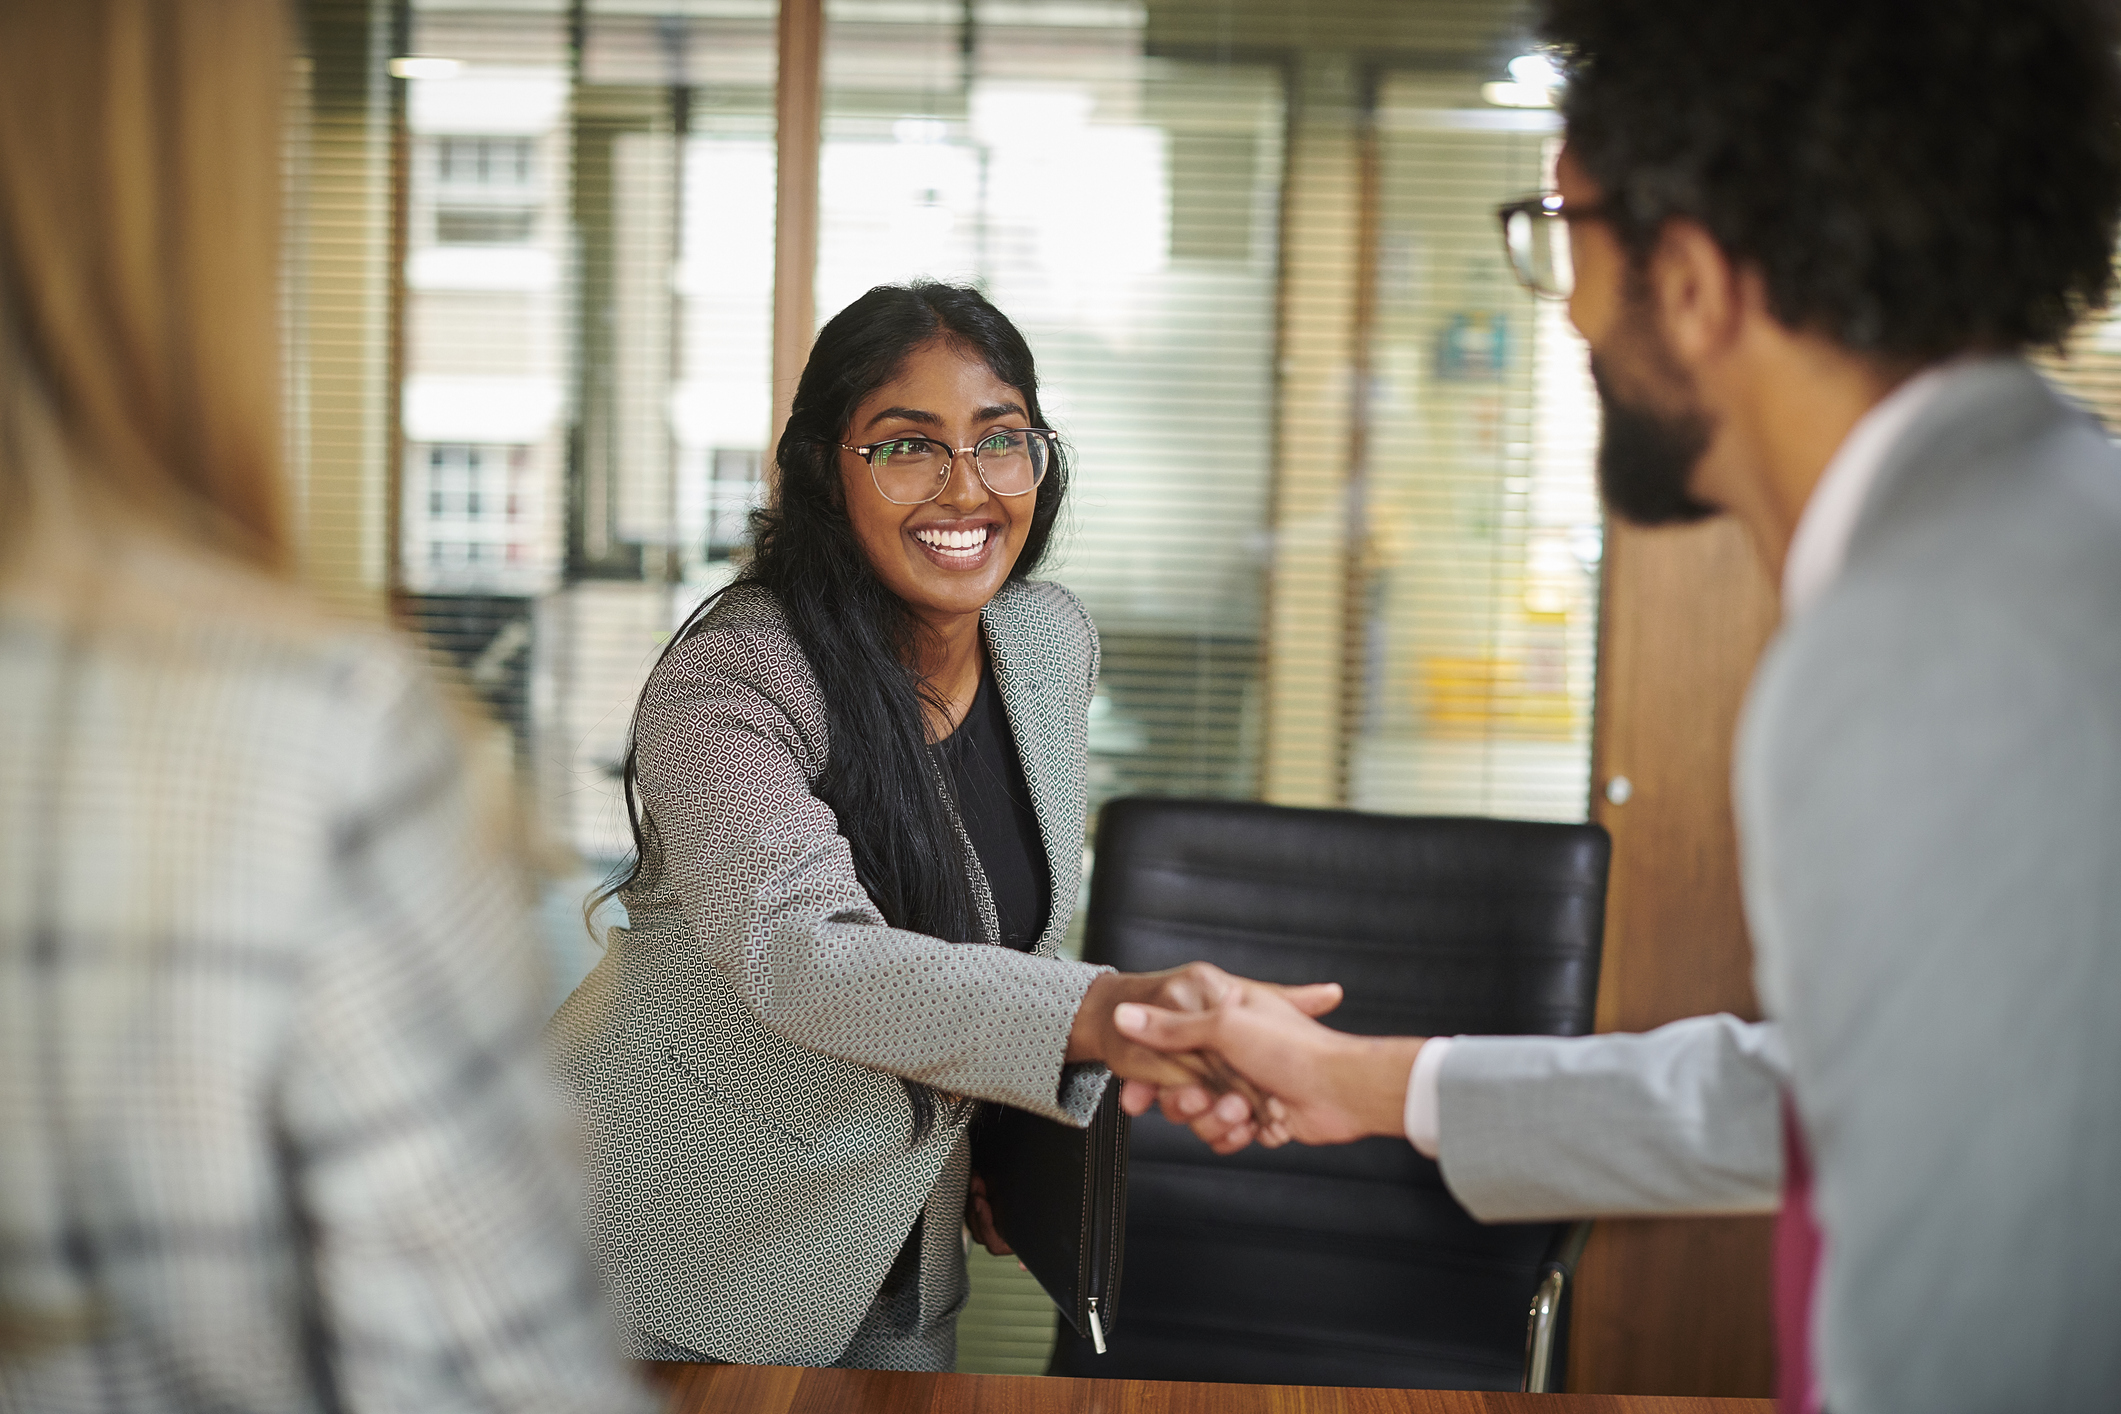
(1818, 549)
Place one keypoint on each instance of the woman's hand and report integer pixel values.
(1186, 1085)
(979, 1217)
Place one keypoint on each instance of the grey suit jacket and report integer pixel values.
(736, 1055)
(1929, 799)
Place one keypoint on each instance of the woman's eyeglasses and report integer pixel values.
(911, 470)
(1535, 236)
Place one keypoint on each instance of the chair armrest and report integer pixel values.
(1542, 1333)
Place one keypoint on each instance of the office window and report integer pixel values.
(485, 162)
(1476, 575)
(673, 216)
(484, 225)
(735, 488)
(469, 495)
(485, 189)
(485, 357)
(1122, 210)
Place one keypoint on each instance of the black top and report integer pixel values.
(988, 779)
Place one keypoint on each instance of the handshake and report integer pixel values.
(1239, 1061)
(1233, 1060)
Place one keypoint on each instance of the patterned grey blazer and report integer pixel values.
(736, 1055)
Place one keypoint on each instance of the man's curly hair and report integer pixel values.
(1913, 178)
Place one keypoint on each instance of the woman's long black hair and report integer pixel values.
(880, 777)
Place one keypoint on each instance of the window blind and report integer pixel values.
(1481, 524)
(2088, 367)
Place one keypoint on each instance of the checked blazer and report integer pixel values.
(736, 1055)
(277, 1132)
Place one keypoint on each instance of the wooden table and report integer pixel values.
(781, 1389)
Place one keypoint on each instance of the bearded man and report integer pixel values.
(1807, 244)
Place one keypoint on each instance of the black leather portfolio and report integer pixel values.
(1059, 1196)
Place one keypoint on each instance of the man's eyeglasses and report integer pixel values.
(1535, 236)
(911, 470)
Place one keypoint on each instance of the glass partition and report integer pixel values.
(1476, 578)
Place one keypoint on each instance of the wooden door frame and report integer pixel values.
(1674, 1306)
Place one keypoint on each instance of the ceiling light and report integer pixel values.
(1517, 95)
(1535, 68)
(1533, 82)
(421, 68)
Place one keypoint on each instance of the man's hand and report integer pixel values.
(1328, 1087)
(1187, 1084)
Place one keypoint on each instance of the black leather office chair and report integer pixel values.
(1350, 1265)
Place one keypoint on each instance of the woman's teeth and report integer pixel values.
(956, 544)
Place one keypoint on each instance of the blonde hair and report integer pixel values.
(140, 216)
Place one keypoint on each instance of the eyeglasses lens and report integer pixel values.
(1539, 251)
(1013, 462)
(910, 470)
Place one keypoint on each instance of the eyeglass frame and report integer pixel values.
(868, 456)
(1550, 204)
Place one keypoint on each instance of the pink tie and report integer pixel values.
(1797, 1247)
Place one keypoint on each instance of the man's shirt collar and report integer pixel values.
(1820, 545)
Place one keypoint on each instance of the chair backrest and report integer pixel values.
(1349, 1265)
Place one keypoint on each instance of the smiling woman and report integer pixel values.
(857, 788)
(944, 523)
